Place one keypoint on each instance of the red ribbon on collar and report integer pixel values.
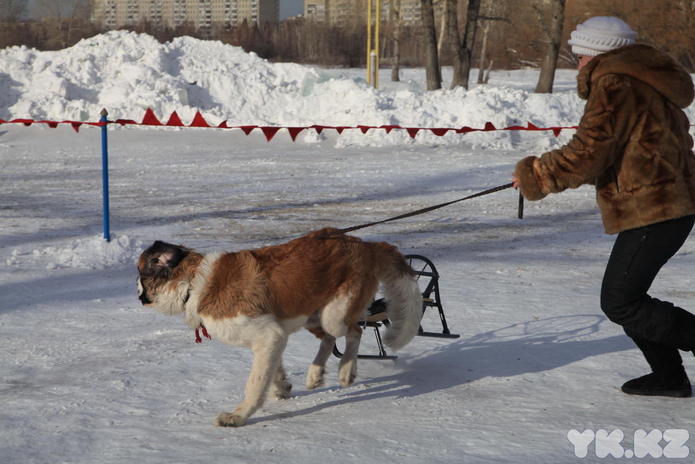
(205, 334)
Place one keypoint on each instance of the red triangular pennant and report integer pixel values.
(439, 132)
(26, 122)
(489, 127)
(123, 122)
(270, 132)
(150, 119)
(364, 129)
(412, 131)
(294, 132)
(247, 129)
(174, 120)
(388, 129)
(199, 121)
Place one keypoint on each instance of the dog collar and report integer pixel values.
(198, 339)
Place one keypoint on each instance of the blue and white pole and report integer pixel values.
(105, 172)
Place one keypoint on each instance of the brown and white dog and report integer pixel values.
(323, 281)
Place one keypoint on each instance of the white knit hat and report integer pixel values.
(601, 34)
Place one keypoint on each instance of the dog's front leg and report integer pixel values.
(267, 360)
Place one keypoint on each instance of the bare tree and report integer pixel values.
(432, 70)
(491, 14)
(447, 12)
(396, 38)
(483, 54)
(62, 15)
(553, 33)
(12, 11)
(463, 47)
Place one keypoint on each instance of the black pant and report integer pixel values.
(658, 327)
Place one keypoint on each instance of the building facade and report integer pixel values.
(171, 13)
(340, 11)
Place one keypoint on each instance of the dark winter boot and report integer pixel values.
(681, 332)
(656, 384)
(668, 377)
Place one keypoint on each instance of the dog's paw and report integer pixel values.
(347, 374)
(281, 391)
(315, 377)
(227, 419)
(347, 380)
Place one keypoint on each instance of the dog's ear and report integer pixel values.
(164, 255)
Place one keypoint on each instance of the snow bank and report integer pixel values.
(126, 73)
(90, 253)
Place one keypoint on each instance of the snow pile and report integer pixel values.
(126, 73)
(89, 253)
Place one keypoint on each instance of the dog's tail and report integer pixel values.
(403, 297)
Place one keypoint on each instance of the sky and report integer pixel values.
(290, 8)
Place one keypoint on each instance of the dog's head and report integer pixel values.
(157, 280)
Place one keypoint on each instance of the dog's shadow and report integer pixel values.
(529, 347)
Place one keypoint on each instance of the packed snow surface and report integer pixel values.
(89, 375)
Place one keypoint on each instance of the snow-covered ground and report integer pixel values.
(89, 375)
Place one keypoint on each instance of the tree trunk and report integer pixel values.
(432, 71)
(464, 48)
(547, 76)
(483, 54)
(486, 79)
(444, 42)
(396, 58)
(11, 11)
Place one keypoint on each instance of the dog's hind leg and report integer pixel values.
(348, 363)
(314, 378)
(267, 362)
(281, 387)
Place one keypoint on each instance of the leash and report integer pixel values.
(432, 208)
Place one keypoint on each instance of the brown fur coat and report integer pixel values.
(632, 143)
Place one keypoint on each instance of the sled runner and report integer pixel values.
(428, 278)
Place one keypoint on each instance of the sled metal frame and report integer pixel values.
(427, 276)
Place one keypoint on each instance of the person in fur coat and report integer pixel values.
(633, 144)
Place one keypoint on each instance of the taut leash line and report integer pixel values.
(425, 210)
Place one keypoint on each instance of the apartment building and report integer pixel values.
(340, 11)
(172, 13)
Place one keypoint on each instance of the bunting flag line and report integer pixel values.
(53, 124)
(150, 119)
